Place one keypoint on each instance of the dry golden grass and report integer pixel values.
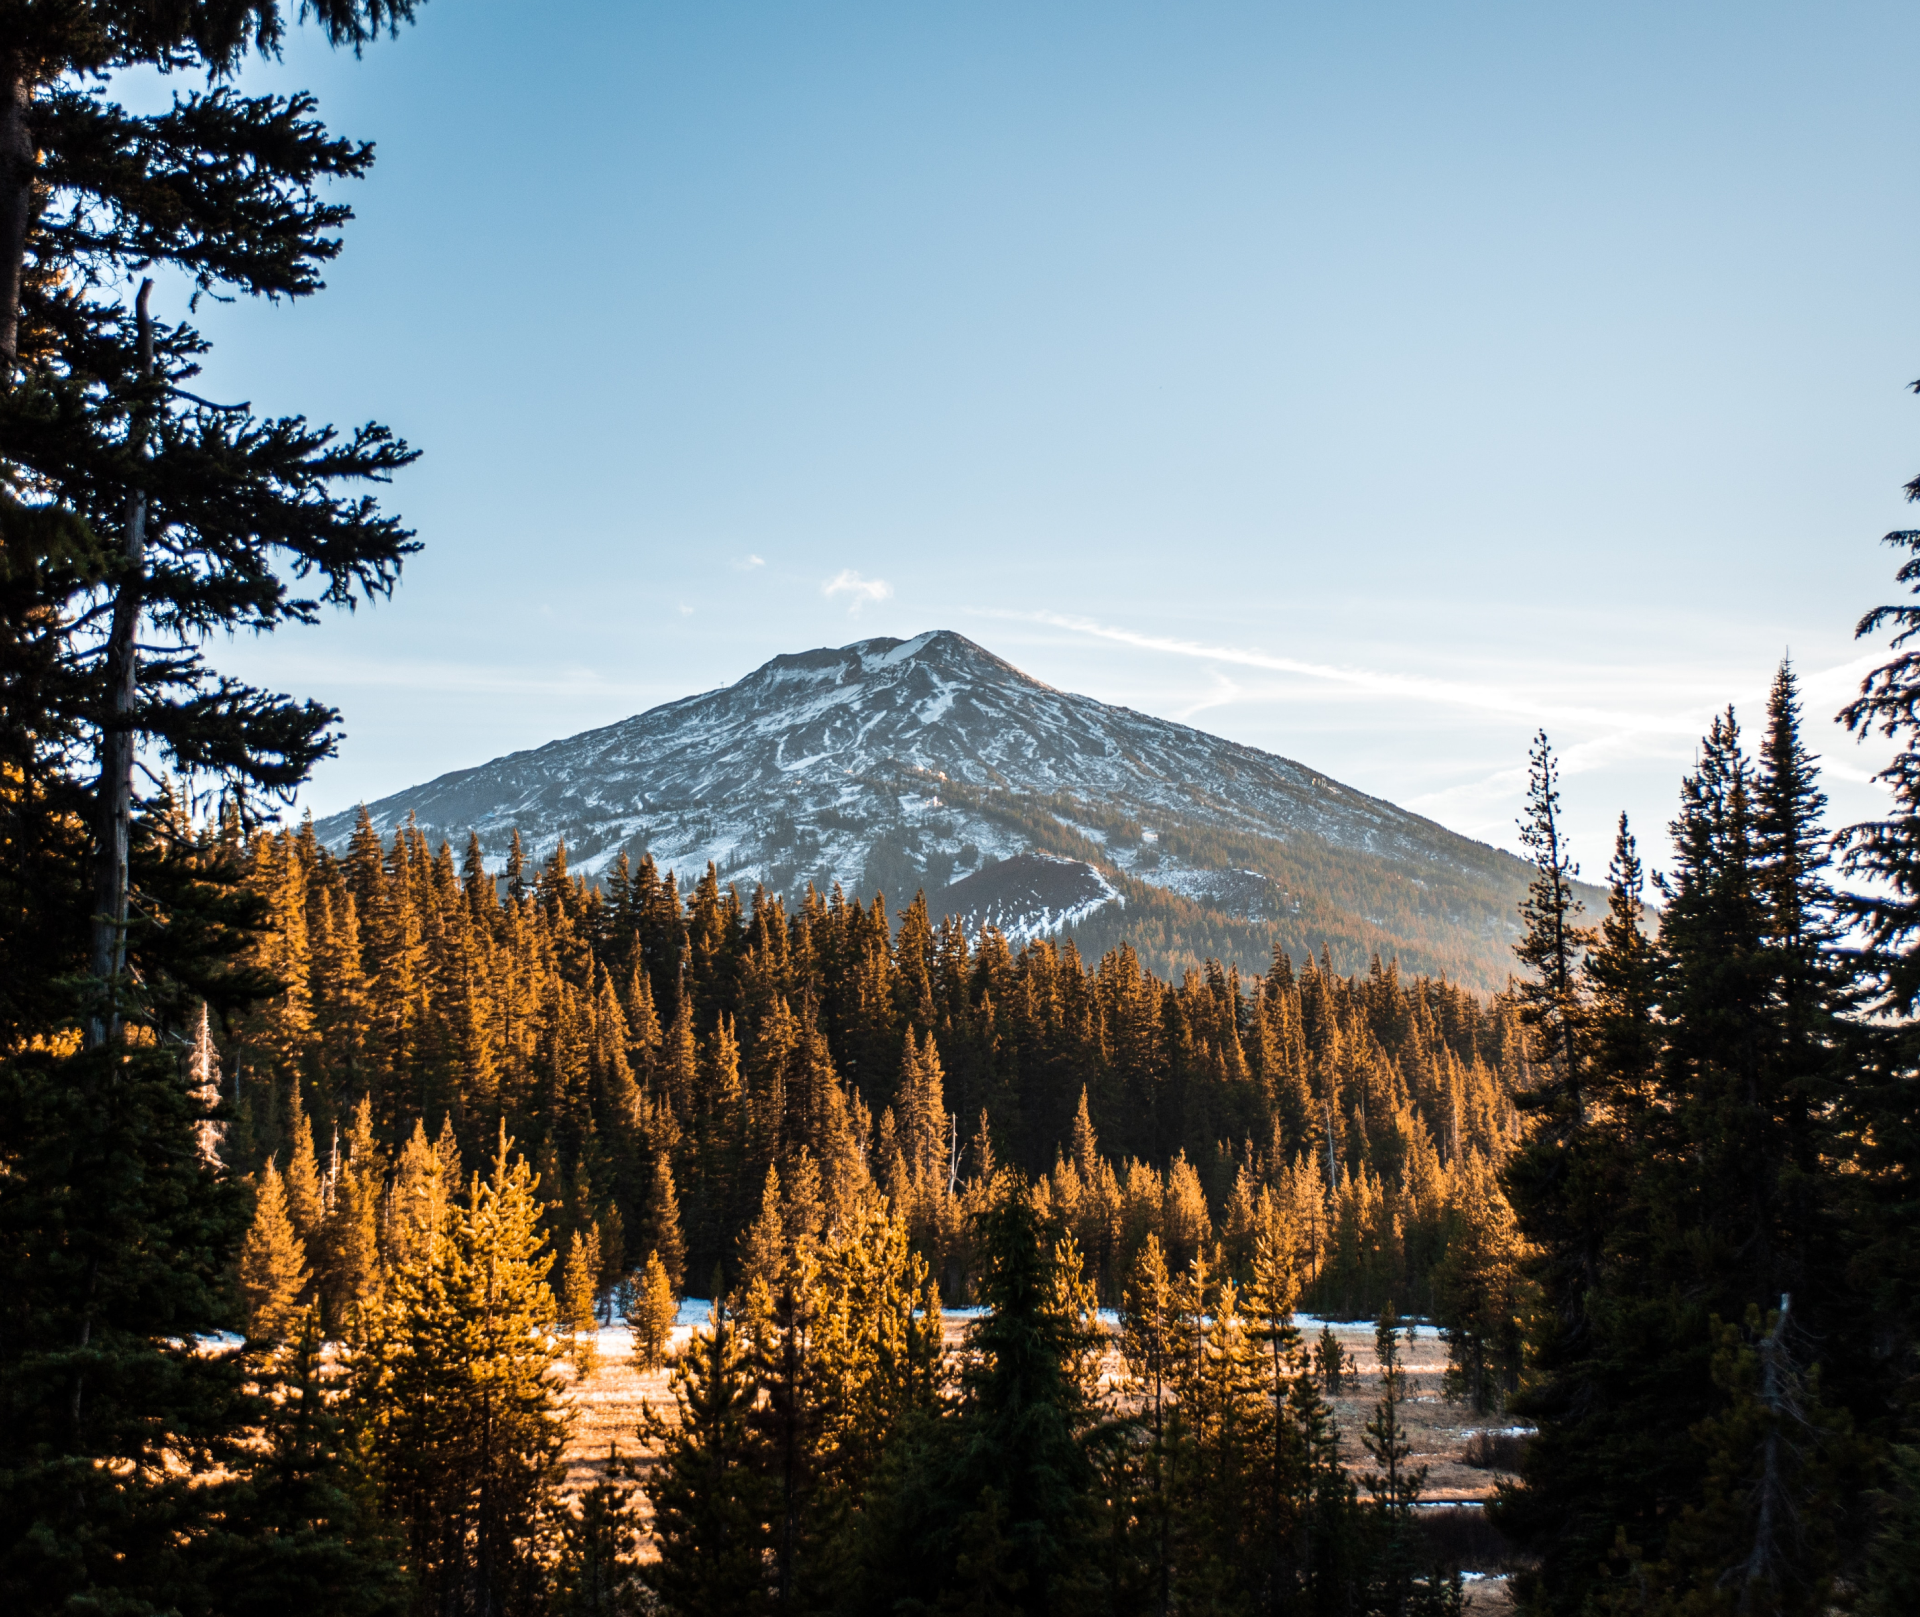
(607, 1404)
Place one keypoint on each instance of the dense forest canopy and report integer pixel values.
(630, 1037)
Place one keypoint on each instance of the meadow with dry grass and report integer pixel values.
(606, 1407)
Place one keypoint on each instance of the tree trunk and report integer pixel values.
(16, 200)
(117, 732)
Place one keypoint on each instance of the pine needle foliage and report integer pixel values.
(458, 1378)
(596, 1569)
(651, 1312)
(273, 1266)
(1174, 1108)
(712, 1495)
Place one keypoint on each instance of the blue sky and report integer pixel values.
(1369, 383)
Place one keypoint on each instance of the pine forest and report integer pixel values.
(386, 1232)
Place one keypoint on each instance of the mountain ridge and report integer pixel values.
(897, 765)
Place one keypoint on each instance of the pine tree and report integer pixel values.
(1695, 1192)
(1886, 853)
(596, 1573)
(923, 1115)
(789, 1425)
(203, 1081)
(1478, 1290)
(1332, 1361)
(1396, 1485)
(875, 1342)
(139, 1469)
(578, 1280)
(1291, 1454)
(1880, 1111)
(302, 1180)
(1815, 1046)
(1553, 942)
(710, 1499)
(117, 1239)
(1147, 1338)
(1018, 1493)
(1715, 1151)
(350, 1267)
(273, 1262)
(158, 515)
(1564, 1184)
(303, 1532)
(465, 1424)
(424, 1180)
(1186, 1224)
(1892, 1582)
(651, 1313)
(1769, 1532)
(661, 1231)
(1622, 974)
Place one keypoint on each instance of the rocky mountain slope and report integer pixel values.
(931, 764)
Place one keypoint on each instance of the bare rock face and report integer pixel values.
(930, 764)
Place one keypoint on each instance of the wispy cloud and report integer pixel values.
(1223, 694)
(1532, 701)
(862, 590)
(1369, 681)
(1645, 712)
(747, 564)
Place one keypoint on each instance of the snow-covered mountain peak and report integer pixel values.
(941, 654)
(901, 764)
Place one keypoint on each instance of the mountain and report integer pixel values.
(931, 764)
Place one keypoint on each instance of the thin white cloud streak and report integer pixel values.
(1224, 694)
(747, 564)
(1623, 724)
(862, 590)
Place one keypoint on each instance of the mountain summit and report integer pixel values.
(931, 764)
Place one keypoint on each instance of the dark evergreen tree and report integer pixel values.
(1892, 1581)
(1564, 1184)
(138, 520)
(1016, 1494)
(710, 1497)
(1401, 1584)
(122, 1445)
(1552, 944)
(144, 517)
(1704, 1179)
(1880, 1106)
(305, 1533)
(596, 1571)
(1886, 852)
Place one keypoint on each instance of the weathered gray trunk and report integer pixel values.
(16, 199)
(117, 734)
(1776, 1516)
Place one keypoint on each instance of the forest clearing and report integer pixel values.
(605, 1410)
